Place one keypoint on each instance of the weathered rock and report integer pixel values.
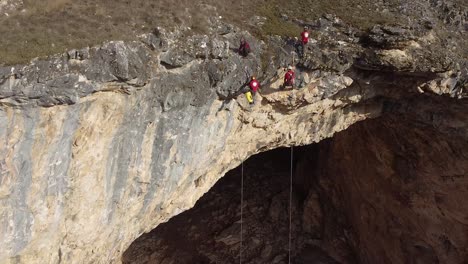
(103, 144)
(376, 192)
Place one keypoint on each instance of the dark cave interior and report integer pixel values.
(210, 232)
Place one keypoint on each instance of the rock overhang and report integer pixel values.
(143, 129)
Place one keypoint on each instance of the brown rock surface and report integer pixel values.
(400, 186)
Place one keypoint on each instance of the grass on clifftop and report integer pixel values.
(52, 26)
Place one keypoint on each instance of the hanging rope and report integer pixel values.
(241, 211)
(242, 181)
(290, 205)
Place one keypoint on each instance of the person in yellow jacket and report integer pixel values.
(254, 85)
(249, 97)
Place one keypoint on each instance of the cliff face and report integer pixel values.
(385, 190)
(102, 144)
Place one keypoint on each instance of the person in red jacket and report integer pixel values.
(254, 85)
(244, 48)
(300, 47)
(305, 36)
(289, 78)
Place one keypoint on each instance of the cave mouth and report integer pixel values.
(210, 231)
(385, 190)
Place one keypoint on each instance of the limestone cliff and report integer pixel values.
(102, 144)
(383, 191)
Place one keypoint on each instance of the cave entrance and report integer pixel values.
(386, 190)
(210, 232)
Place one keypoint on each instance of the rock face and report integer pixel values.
(383, 191)
(102, 144)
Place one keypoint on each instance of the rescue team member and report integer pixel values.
(254, 85)
(244, 48)
(305, 36)
(289, 77)
(304, 41)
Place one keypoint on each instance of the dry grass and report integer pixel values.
(53, 26)
(275, 24)
(42, 6)
(360, 13)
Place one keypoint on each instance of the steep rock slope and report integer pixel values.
(102, 144)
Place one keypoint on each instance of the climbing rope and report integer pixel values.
(290, 205)
(242, 182)
(241, 211)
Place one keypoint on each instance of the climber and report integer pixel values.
(249, 97)
(289, 78)
(244, 48)
(305, 36)
(300, 47)
(254, 85)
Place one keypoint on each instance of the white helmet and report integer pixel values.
(290, 67)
